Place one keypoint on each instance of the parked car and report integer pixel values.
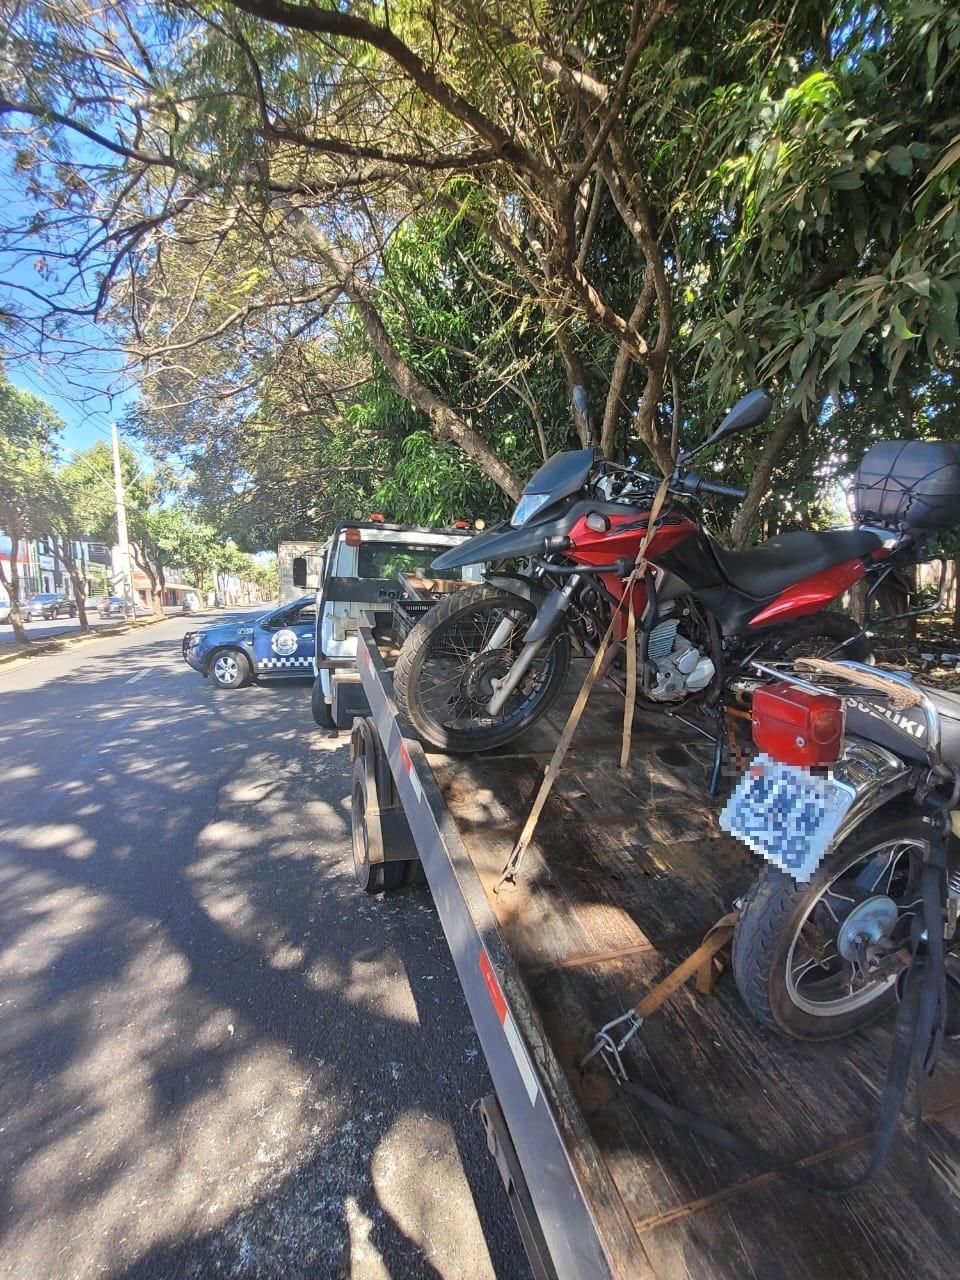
(113, 607)
(50, 604)
(191, 602)
(278, 644)
(4, 611)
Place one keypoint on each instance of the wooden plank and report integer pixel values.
(620, 883)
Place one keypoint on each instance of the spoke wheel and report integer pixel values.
(453, 660)
(819, 960)
(872, 899)
(822, 635)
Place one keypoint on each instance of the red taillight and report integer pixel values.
(797, 726)
(351, 537)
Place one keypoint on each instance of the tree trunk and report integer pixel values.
(143, 564)
(63, 554)
(760, 480)
(11, 582)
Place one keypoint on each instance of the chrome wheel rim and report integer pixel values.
(818, 979)
(226, 669)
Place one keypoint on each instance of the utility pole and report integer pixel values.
(122, 543)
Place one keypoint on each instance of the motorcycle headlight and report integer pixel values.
(528, 506)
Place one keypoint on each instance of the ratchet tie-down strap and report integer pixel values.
(917, 1035)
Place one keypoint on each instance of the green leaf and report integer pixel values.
(898, 159)
(900, 326)
(917, 282)
(852, 336)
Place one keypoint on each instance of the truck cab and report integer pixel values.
(362, 567)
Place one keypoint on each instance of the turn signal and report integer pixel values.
(797, 726)
(597, 522)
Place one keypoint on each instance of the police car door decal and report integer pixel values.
(288, 648)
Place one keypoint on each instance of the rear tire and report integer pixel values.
(773, 917)
(457, 608)
(320, 707)
(817, 636)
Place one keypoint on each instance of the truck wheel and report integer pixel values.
(372, 877)
(229, 669)
(320, 707)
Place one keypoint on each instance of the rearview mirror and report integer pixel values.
(299, 571)
(747, 412)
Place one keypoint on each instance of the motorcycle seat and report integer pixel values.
(778, 563)
(904, 732)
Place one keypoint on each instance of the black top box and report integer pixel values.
(909, 484)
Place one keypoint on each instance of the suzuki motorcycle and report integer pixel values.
(854, 803)
(488, 661)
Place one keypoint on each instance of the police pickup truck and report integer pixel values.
(278, 644)
(316, 635)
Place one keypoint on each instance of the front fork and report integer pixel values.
(541, 629)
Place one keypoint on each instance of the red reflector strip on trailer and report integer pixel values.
(527, 1073)
(411, 772)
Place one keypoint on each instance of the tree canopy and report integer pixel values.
(359, 256)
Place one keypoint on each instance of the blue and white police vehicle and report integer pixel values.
(316, 635)
(277, 645)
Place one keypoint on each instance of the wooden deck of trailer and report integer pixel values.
(626, 873)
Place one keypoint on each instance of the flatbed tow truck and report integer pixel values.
(621, 882)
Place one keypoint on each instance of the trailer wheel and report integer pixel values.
(383, 847)
(372, 876)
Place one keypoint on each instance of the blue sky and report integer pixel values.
(85, 387)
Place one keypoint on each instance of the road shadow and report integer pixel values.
(210, 1066)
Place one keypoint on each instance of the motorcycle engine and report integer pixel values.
(681, 668)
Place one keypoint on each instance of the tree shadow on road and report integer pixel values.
(213, 1064)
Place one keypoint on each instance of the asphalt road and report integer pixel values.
(217, 1058)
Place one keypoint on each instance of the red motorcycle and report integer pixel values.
(488, 661)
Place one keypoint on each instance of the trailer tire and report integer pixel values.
(373, 875)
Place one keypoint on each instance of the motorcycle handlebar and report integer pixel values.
(697, 484)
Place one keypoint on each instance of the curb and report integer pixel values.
(60, 644)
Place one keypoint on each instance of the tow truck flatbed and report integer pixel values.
(626, 874)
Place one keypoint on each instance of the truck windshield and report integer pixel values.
(389, 559)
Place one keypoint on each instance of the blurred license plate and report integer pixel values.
(787, 814)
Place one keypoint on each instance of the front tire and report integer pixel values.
(229, 669)
(787, 944)
(441, 680)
